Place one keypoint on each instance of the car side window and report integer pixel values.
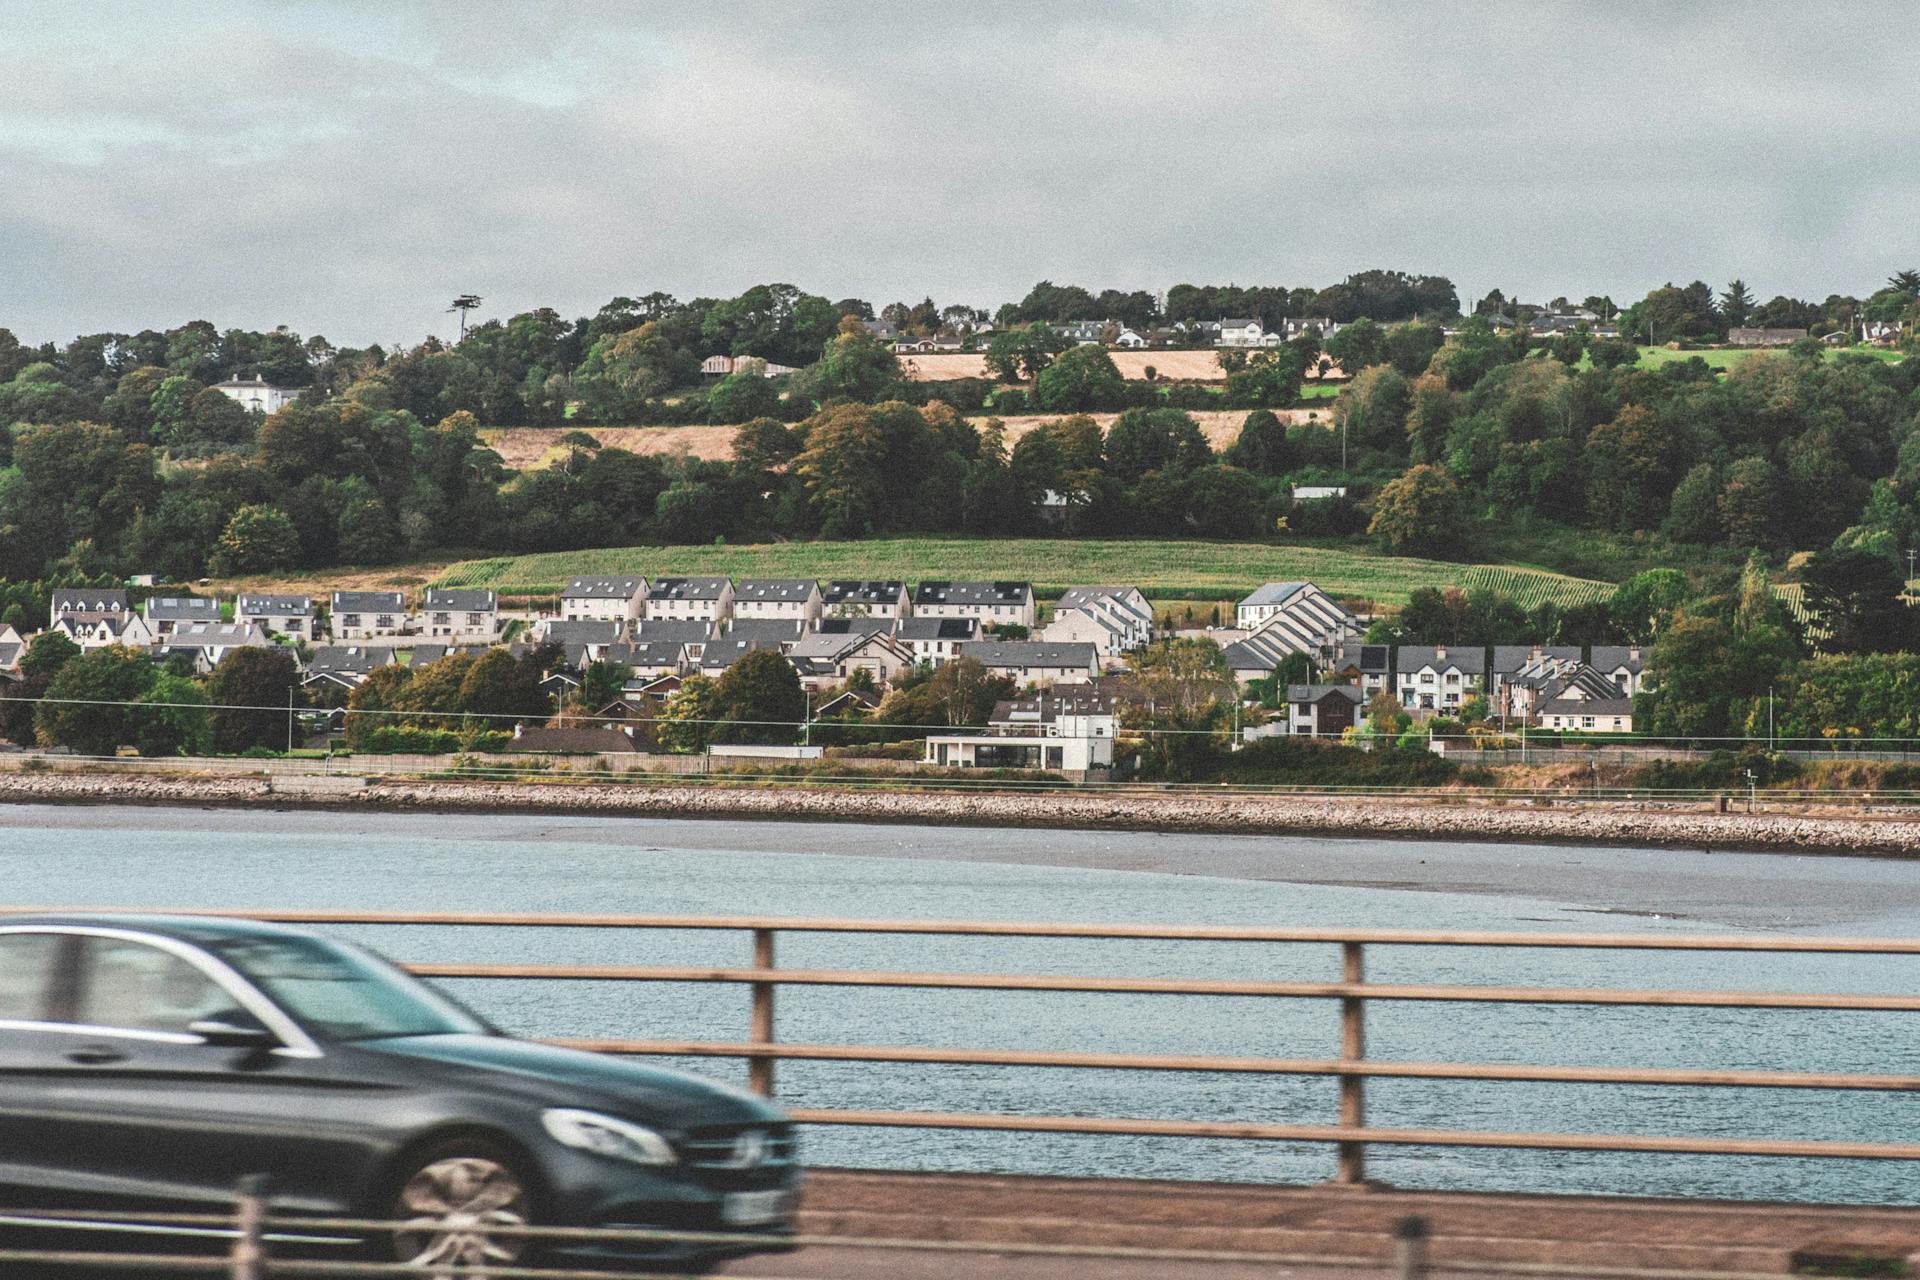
(138, 987)
(27, 963)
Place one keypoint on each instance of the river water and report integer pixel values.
(184, 858)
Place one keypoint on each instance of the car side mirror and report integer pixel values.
(223, 1033)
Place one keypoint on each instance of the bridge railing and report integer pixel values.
(1347, 1063)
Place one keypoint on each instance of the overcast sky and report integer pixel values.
(346, 168)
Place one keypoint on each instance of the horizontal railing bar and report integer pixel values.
(1176, 986)
(1645, 1144)
(1005, 929)
(1250, 1066)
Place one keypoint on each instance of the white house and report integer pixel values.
(98, 630)
(165, 614)
(1522, 672)
(1241, 332)
(287, 615)
(988, 603)
(1622, 665)
(1433, 678)
(1034, 662)
(882, 598)
(1318, 613)
(345, 666)
(603, 599)
(1366, 666)
(1131, 340)
(89, 601)
(1284, 618)
(1587, 701)
(707, 600)
(256, 395)
(461, 613)
(1068, 728)
(1114, 620)
(781, 598)
(368, 615)
(934, 641)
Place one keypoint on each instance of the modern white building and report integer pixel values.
(883, 598)
(166, 614)
(368, 615)
(1066, 728)
(1434, 678)
(287, 615)
(778, 598)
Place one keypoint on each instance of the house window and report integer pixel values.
(1586, 722)
(350, 620)
(476, 619)
(384, 620)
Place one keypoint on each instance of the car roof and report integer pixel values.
(199, 929)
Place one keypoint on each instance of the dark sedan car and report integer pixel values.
(148, 1063)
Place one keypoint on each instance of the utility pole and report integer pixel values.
(289, 719)
(1911, 553)
(806, 728)
(463, 304)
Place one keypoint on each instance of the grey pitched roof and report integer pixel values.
(849, 591)
(1049, 705)
(1370, 659)
(425, 653)
(723, 653)
(829, 645)
(844, 626)
(1315, 692)
(591, 631)
(602, 588)
(975, 593)
(89, 600)
(1589, 682)
(778, 630)
(795, 590)
(369, 602)
(1611, 657)
(678, 630)
(1241, 656)
(1509, 658)
(461, 600)
(1113, 597)
(1273, 593)
(265, 606)
(182, 609)
(688, 588)
(938, 629)
(1468, 658)
(650, 653)
(1587, 707)
(1029, 653)
(218, 634)
(350, 659)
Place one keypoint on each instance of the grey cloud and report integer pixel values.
(343, 168)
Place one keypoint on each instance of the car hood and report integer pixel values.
(571, 1077)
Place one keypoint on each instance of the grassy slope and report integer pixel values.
(1193, 569)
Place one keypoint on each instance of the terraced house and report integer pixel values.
(368, 615)
(609, 599)
(1435, 679)
(988, 603)
(708, 600)
(287, 615)
(461, 613)
(166, 614)
(778, 598)
(882, 598)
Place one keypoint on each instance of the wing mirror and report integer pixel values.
(232, 1033)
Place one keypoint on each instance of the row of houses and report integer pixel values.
(1557, 687)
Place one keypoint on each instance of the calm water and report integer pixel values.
(183, 858)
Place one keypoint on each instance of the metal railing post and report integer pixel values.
(1353, 1047)
(1410, 1248)
(760, 1070)
(248, 1257)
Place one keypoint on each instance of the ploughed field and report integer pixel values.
(1198, 570)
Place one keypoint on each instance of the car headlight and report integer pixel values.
(606, 1136)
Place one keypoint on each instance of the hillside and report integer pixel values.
(1200, 570)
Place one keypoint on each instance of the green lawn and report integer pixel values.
(1199, 570)
(1726, 358)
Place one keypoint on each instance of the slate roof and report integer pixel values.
(460, 600)
(349, 659)
(588, 631)
(777, 630)
(574, 741)
(649, 653)
(1411, 657)
(972, 593)
(1510, 658)
(723, 653)
(182, 609)
(89, 600)
(369, 602)
(1315, 692)
(677, 630)
(1612, 657)
(849, 591)
(268, 606)
(938, 629)
(1029, 653)
(217, 634)
(688, 588)
(1369, 659)
(1272, 593)
(795, 590)
(1049, 705)
(602, 588)
(846, 626)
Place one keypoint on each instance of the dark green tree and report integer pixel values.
(759, 699)
(253, 677)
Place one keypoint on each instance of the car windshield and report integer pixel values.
(342, 993)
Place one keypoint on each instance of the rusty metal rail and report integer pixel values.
(1351, 1068)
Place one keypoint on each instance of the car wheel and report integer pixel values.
(447, 1199)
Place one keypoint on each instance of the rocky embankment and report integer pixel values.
(1582, 822)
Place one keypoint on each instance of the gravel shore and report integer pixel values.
(1580, 823)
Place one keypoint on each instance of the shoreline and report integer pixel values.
(1590, 823)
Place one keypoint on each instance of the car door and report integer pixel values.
(32, 965)
(148, 1114)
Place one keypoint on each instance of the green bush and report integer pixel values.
(1726, 769)
(396, 739)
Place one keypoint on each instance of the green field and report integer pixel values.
(1726, 358)
(1200, 570)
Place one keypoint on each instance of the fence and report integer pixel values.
(1347, 1067)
